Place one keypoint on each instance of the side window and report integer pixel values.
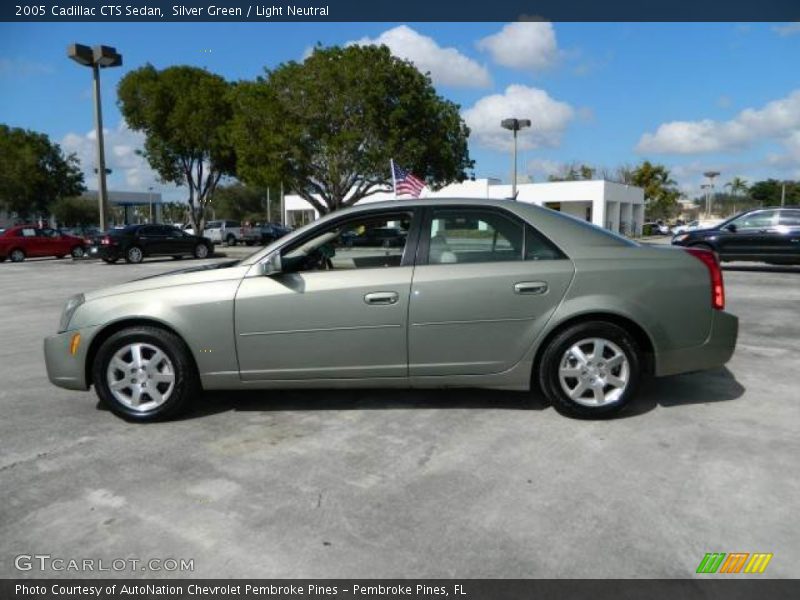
(538, 247)
(473, 236)
(28, 232)
(789, 217)
(232, 224)
(369, 241)
(759, 219)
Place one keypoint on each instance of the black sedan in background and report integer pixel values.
(135, 242)
(770, 235)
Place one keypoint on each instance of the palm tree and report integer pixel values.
(736, 185)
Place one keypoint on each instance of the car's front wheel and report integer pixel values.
(145, 374)
(230, 240)
(77, 252)
(591, 370)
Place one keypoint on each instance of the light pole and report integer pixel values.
(711, 175)
(515, 125)
(99, 57)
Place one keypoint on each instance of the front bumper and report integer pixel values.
(63, 368)
(714, 352)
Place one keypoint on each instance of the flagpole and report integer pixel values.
(394, 180)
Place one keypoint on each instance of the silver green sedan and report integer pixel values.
(421, 294)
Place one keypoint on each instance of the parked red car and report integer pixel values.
(27, 241)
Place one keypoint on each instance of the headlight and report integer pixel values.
(680, 237)
(69, 310)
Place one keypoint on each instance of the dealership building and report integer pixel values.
(615, 206)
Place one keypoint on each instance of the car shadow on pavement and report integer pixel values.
(706, 387)
(362, 399)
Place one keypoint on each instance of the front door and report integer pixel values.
(337, 311)
(755, 235)
(484, 287)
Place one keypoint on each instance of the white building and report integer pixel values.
(615, 206)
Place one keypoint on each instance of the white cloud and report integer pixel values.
(777, 120)
(550, 118)
(447, 66)
(129, 170)
(786, 30)
(527, 45)
(21, 67)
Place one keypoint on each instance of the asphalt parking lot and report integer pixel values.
(457, 483)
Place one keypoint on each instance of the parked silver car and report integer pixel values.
(492, 294)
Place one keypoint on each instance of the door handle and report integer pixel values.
(381, 298)
(530, 287)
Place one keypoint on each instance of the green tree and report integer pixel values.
(34, 172)
(185, 114)
(241, 202)
(75, 210)
(573, 172)
(660, 194)
(328, 127)
(768, 192)
(737, 186)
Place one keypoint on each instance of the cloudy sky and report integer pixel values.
(693, 96)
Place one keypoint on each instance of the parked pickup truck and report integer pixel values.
(230, 233)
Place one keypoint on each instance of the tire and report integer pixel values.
(201, 251)
(77, 252)
(230, 240)
(134, 255)
(607, 389)
(134, 396)
(16, 255)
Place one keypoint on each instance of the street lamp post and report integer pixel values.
(150, 201)
(711, 175)
(515, 125)
(99, 57)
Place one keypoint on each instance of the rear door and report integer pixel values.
(153, 240)
(789, 232)
(484, 286)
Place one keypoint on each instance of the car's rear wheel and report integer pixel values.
(17, 255)
(77, 252)
(591, 370)
(201, 251)
(145, 374)
(134, 255)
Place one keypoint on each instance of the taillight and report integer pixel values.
(105, 241)
(709, 259)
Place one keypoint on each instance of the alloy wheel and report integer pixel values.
(594, 372)
(140, 376)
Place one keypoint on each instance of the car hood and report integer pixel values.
(189, 276)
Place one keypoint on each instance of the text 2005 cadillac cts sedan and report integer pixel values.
(428, 294)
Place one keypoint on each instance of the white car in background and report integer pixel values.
(696, 224)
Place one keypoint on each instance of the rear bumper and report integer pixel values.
(63, 368)
(714, 352)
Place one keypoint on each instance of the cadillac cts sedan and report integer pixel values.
(490, 294)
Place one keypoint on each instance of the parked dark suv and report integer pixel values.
(769, 235)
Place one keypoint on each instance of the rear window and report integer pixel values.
(597, 230)
(214, 225)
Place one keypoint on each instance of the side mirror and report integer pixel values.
(273, 265)
(731, 228)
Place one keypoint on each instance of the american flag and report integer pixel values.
(405, 182)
